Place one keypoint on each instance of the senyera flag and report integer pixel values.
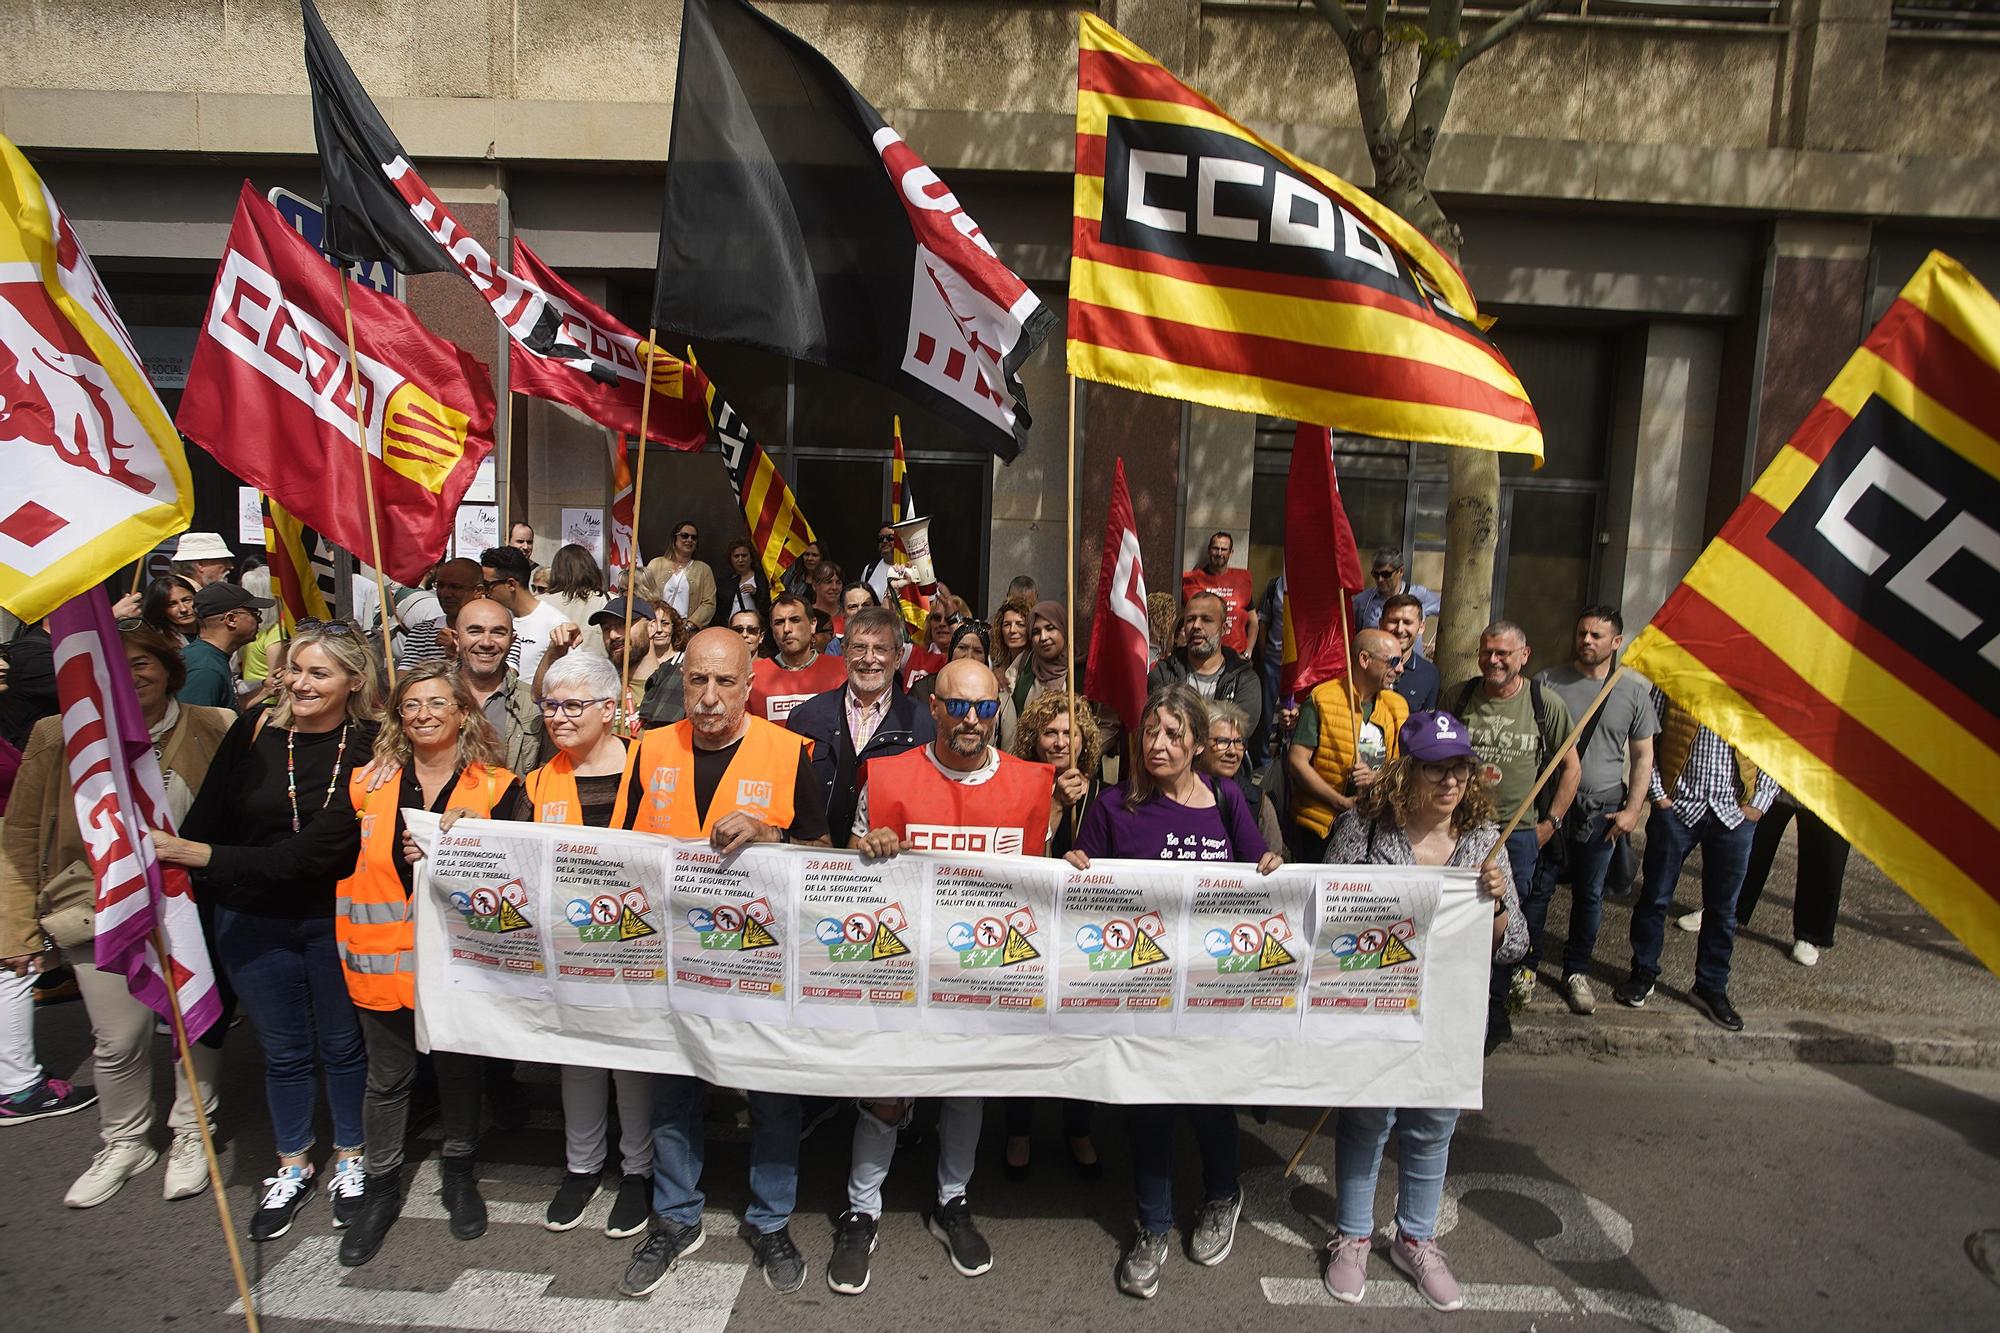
(290, 545)
(912, 599)
(120, 796)
(378, 207)
(1842, 630)
(778, 528)
(621, 555)
(1322, 567)
(96, 475)
(678, 416)
(797, 221)
(1211, 265)
(269, 395)
(1115, 671)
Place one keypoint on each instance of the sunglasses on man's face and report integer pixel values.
(958, 708)
(1385, 573)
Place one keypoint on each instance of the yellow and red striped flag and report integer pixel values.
(912, 603)
(293, 580)
(1843, 629)
(778, 527)
(1211, 265)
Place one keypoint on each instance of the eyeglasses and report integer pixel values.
(1384, 573)
(415, 707)
(1460, 772)
(1391, 662)
(869, 650)
(330, 628)
(685, 536)
(885, 537)
(1225, 742)
(569, 708)
(958, 708)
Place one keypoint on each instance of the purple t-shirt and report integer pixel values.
(1165, 830)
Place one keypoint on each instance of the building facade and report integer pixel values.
(1684, 212)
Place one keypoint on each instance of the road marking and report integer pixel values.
(307, 1284)
(1507, 1298)
(1589, 1230)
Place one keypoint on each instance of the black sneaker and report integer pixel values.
(1716, 1005)
(632, 1209)
(578, 1188)
(1634, 991)
(47, 1099)
(344, 1187)
(654, 1257)
(952, 1224)
(784, 1267)
(284, 1194)
(853, 1242)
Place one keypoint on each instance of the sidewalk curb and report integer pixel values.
(1802, 1038)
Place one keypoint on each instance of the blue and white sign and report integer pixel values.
(305, 218)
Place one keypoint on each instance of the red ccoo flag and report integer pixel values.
(1115, 672)
(270, 396)
(1318, 543)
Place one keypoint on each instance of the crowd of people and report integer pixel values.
(543, 694)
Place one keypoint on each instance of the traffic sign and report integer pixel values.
(303, 216)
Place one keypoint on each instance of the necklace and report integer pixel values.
(292, 776)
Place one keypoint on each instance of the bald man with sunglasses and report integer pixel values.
(957, 795)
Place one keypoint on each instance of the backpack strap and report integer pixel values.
(1465, 697)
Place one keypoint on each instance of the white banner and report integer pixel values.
(812, 971)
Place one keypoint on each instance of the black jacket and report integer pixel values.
(1239, 684)
(822, 719)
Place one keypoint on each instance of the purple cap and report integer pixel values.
(1434, 735)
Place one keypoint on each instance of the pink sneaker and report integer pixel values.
(1346, 1275)
(1423, 1262)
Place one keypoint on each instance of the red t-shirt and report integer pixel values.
(1233, 587)
(775, 690)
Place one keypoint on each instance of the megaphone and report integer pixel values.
(914, 536)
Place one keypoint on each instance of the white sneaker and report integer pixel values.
(1805, 955)
(114, 1164)
(1691, 922)
(1521, 987)
(187, 1167)
(1582, 999)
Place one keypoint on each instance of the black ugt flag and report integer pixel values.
(797, 221)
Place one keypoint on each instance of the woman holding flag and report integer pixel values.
(42, 846)
(279, 774)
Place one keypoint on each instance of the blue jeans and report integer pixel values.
(287, 974)
(1589, 858)
(1423, 1143)
(1153, 1158)
(679, 1147)
(1725, 853)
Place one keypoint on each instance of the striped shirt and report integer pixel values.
(1708, 784)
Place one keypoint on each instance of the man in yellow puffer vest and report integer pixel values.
(1331, 756)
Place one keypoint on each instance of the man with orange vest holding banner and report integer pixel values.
(731, 779)
(799, 671)
(960, 795)
(448, 760)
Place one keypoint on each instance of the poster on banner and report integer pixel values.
(494, 932)
(735, 1013)
(1247, 950)
(989, 940)
(585, 528)
(1369, 952)
(609, 943)
(475, 528)
(727, 949)
(1119, 941)
(857, 965)
(249, 516)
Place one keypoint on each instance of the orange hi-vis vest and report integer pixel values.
(1006, 815)
(552, 792)
(372, 923)
(776, 689)
(758, 781)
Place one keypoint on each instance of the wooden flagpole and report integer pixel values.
(1069, 645)
(638, 511)
(1353, 694)
(368, 479)
(1548, 771)
(165, 958)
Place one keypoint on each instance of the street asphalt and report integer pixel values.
(1670, 1194)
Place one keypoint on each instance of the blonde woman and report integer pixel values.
(277, 775)
(680, 580)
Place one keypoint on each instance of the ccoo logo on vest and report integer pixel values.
(963, 838)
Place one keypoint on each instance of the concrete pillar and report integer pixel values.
(1838, 47)
(1660, 460)
(1146, 432)
(1815, 309)
(1027, 510)
(1168, 30)
(1221, 460)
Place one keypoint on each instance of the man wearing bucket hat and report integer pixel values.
(203, 558)
(226, 618)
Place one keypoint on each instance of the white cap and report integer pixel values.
(202, 546)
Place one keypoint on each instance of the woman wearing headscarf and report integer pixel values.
(41, 842)
(1047, 662)
(1427, 807)
(278, 774)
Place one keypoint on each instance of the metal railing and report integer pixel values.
(1944, 16)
